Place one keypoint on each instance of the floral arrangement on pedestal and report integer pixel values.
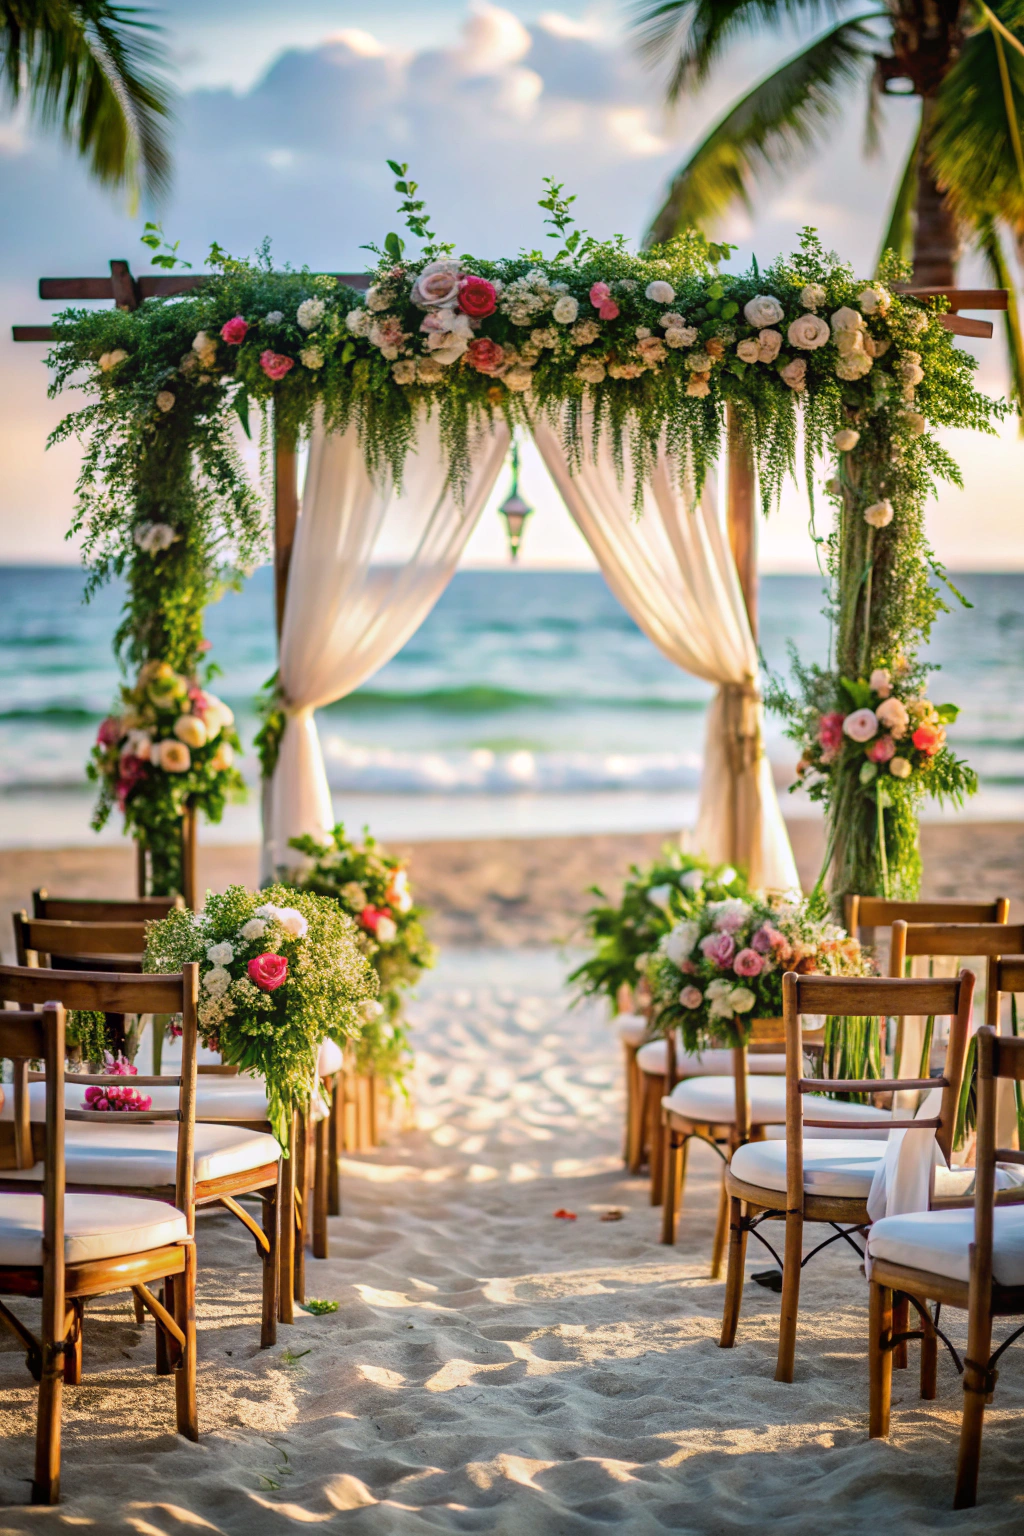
(622, 935)
(372, 887)
(170, 744)
(280, 971)
(721, 967)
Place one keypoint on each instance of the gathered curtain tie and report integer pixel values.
(742, 703)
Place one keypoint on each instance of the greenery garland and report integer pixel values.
(657, 343)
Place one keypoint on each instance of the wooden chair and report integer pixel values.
(830, 1182)
(123, 1153)
(872, 912)
(102, 909)
(970, 1259)
(75, 1246)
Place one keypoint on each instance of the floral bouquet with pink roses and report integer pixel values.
(170, 743)
(280, 971)
(716, 971)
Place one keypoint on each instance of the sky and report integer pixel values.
(285, 117)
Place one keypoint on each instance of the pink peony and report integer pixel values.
(719, 948)
(275, 365)
(477, 297)
(748, 963)
(485, 356)
(882, 750)
(861, 726)
(609, 310)
(600, 293)
(233, 331)
(110, 731)
(830, 732)
(268, 971)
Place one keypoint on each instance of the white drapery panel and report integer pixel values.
(367, 566)
(674, 574)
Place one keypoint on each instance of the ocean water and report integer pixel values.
(528, 702)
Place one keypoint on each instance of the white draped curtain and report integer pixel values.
(672, 571)
(368, 564)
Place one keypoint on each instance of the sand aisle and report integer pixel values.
(492, 1369)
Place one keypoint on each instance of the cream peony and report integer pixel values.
(679, 944)
(879, 514)
(680, 336)
(311, 358)
(359, 321)
(223, 758)
(518, 379)
(846, 439)
(847, 319)
(909, 369)
(293, 922)
(854, 366)
(812, 296)
(893, 714)
(585, 332)
(428, 371)
(795, 375)
(671, 321)
(861, 726)
(591, 370)
(165, 401)
(698, 387)
(309, 313)
(769, 344)
(172, 756)
(659, 292)
(900, 768)
(387, 930)
(881, 681)
(873, 300)
(191, 730)
(255, 928)
(808, 332)
(748, 351)
(205, 348)
(377, 298)
(566, 309)
(763, 310)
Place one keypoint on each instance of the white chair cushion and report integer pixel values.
(939, 1242)
(712, 1101)
(653, 1058)
(330, 1059)
(218, 1097)
(631, 1027)
(144, 1156)
(95, 1227)
(958, 1183)
(834, 1167)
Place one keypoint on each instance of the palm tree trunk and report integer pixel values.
(936, 237)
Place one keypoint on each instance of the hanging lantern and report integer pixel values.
(514, 509)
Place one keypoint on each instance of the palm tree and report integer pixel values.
(87, 66)
(964, 176)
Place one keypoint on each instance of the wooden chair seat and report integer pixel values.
(95, 1227)
(712, 1101)
(938, 1243)
(126, 1156)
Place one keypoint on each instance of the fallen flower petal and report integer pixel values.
(565, 1215)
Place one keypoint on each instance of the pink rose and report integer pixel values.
(600, 293)
(861, 726)
(275, 365)
(691, 997)
(437, 286)
(882, 750)
(233, 331)
(485, 356)
(748, 963)
(268, 971)
(762, 941)
(830, 732)
(609, 310)
(131, 772)
(477, 297)
(110, 731)
(719, 948)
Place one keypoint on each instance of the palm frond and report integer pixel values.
(89, 68)
(991, 248)
(701, 30)
(971, 148)
(899, 235)
(767, 129)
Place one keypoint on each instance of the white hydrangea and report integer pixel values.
(217, 981)
(220, 954)
(359, 321)
(254, 929)
(274, 317)
(679, 944)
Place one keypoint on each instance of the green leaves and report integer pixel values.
(859, 692)
(164, 255)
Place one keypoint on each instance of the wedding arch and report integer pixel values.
(625, 367)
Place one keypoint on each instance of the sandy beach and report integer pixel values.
(491, 1368)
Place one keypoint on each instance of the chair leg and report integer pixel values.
(46, 1482)
(186, 1411)
(655, 1094)
(635, 1113)
(900, 1324)
(73, 1335)
(734, 1273)
(721, 1230)
(372, 1109)
(271, 1263)
(163, 1356)
(140, 1311)
(303, 1202)
(792, 1255)
(929, 1361)
(286, 1249)
(677, 1149)
(334, 1138)
(320, 1202)
(880, 1330)
(977, 1388)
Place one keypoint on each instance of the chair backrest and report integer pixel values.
(36, 940)
(998, 1056)
(870, 997)
(963, 941)
(26, 1036)
(878, 912)
(98, 909)
(106, 991)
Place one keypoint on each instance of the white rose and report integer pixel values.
(873, 300)
(763, 310)
(268, 911)
(748, 351)
(850, 341)
(693, 880)
(253, 929)
(680, 336)
(679, 944)
(909, 372)
(566, 310)
(217, 981)
(358, 321)
(808, 332)
(659, 292)
(847, 319)
(293, 922)
(191, 730)
(387, 930)
(450, 352)
(660, 896)
(812, 296)
(205, 348)
(377, 298)
(769, 344)
(642, 332)
(742, 999)
(900, 768)
(795, 375)
(310, 312)
(879, 514)
(172, 756)
(428, 371)
(165, 401)
(518, 379)
(846, 439)
(855, 366)
(220, 954)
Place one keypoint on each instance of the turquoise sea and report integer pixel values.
(528, 702)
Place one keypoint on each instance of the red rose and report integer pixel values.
(485, 356)
(477, 297)
(928, 738)
(275, 365)
(233, 331)
(268, 972)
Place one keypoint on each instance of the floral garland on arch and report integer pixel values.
(655, 343)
